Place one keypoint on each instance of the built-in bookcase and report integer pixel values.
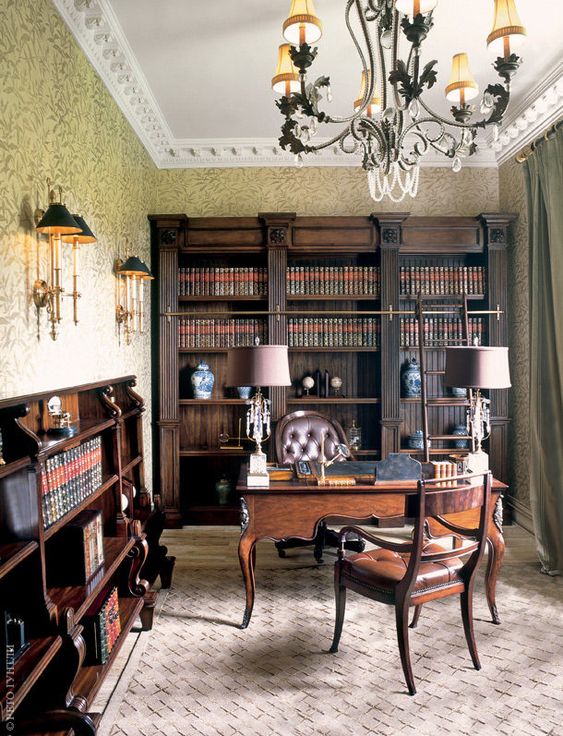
(341, 293)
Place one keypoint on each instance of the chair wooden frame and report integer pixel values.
(434, 499)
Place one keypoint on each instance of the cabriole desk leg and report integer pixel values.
(247, 558)
(495, 545)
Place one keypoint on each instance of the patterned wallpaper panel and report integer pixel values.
(318, 191)
(513, 199)
(58, 120)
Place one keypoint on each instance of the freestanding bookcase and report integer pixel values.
(47, 481)
(339, 292)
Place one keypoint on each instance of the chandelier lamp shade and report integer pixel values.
(286, 79)
(302, 24)
(61, 227)
(391, 126)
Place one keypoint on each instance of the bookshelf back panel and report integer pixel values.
(360, 372)
(198, 476)
(201, 425)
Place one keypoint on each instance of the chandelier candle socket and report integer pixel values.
(392, 126)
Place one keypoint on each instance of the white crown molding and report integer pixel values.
(99, 34)
(542, 107)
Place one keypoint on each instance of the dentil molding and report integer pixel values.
(99, 34)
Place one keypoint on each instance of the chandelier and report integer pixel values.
(391, 127)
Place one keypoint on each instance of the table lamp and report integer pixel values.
(477, 367)
(258, 365)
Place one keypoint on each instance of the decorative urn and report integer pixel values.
(410, 380)
(202, 381)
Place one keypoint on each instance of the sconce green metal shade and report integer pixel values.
(133, 266)
(83, 237)
(57, 221)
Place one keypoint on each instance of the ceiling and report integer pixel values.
(204, 68)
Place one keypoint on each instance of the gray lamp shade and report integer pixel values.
(258, 365)
(477, 367)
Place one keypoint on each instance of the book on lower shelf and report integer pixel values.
(102, 630)
(70, 477)
(78, 548)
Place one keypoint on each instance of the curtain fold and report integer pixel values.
(544, 182)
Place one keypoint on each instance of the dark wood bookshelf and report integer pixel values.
(46, 674)
(306, 253)
(225, 298)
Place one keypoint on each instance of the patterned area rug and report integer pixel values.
(200, 674)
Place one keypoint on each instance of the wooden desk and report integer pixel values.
(294, 509)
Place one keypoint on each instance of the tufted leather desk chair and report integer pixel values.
(298, 436)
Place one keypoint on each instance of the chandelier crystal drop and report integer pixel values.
(391, 126)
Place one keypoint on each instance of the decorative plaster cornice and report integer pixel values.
(99, 34)
(542, 107)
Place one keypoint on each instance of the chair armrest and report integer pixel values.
(53, 721)
(401, 547)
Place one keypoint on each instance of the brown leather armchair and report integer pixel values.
(298, 436)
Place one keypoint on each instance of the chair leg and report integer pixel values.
(416, 616)
(402, 619)
(466, 601)
(340, 600)
(320, 542)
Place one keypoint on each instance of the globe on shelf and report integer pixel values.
(336, 385)
(308, 384)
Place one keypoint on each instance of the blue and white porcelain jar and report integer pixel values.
(202, 381)
(410, 380)
(415, 441)
(244, 392)
(460, 429)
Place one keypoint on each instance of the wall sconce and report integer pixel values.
(129, 310)
(60, 226)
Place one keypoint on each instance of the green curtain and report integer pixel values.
(544, 181)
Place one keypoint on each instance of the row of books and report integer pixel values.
(440, 331)
(333, 280)
(334, 332)
(444, 469)
(222, 281)
(103, 629)
(79, 549)
(219, 333)
(442, 280)
(69, 477)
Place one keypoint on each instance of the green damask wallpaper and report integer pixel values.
(318, 191)
(513, 199)
(58, 120)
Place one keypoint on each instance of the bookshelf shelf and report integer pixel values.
(335, 349)
(225, 298)
(27, 670)
(131, 464)
(86, 429)
(11, 554)
(54, 528)
(353, 401)
(81, 597)
(211, 402)
(90, 678)
(43, 477)
(374, 263)
(214, 453)
(332, 298)
(440, 297)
